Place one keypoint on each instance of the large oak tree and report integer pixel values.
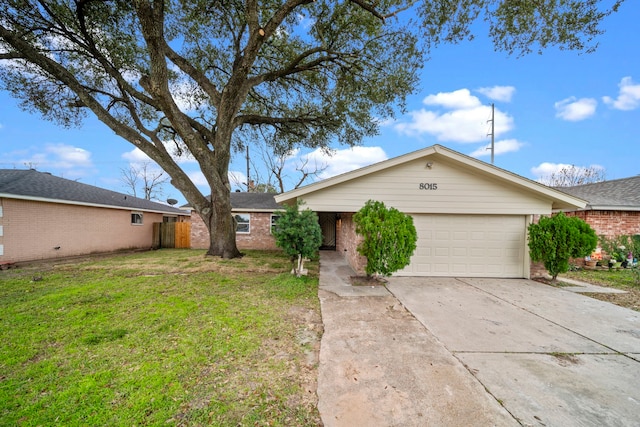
(203, 77)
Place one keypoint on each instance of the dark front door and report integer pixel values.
(328, 225)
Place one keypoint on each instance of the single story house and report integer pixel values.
(255, 215)
(471, 217)
(43, 217)
(613, 207)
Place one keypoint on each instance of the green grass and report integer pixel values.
(159, 338)
(621, 279)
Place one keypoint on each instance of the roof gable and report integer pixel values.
(432, 156)
(41, 186)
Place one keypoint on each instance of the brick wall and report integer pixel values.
(33, 230)
(260, 236)
(347, 242)
(611, 223)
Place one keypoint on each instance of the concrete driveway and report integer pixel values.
(550, 357)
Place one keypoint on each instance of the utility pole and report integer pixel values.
(492, 120)
(248, 176)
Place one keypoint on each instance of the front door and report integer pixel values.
(328, 225)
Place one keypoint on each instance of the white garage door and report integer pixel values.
(468, 246)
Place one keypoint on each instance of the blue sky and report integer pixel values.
(558, 108)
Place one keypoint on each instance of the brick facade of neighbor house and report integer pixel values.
(33, 230)
(611, 223)
(47, 217)
(259, 237)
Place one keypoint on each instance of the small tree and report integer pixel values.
(553, 240)
(389, 238)
(298, 233)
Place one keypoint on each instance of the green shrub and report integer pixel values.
(553, 240)
(389, 238)
(299, 235)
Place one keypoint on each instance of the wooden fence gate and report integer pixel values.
(172, 235)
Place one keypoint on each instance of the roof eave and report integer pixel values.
(610, 208)
(86, 204)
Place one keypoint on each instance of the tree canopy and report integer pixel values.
(200, 78)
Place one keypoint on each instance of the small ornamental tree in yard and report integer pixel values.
(553, 240)
(298, 233)
(389, 238)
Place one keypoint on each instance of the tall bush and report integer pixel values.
(299, 235)
(389, 238)
(553, 240)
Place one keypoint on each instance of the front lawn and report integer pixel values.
(627, 280)
(167, 337)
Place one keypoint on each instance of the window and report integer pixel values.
(136, 218)
(243, 224)
(274, 219)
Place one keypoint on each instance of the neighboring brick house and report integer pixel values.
(254, 213)
(44, 217)
(613, 207)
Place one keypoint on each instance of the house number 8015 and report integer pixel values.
(428, 186)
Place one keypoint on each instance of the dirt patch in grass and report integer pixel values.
(629, 299)
(367, 281)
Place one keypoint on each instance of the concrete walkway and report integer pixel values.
(473, 352)
(379, 366)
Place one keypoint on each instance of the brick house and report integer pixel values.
(255, 213)
(471, 217)
(613, 207)
(46, 217)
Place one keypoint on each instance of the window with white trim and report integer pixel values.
(243, 223)
(274, 219)
(136, 218)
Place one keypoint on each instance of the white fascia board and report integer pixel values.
(93, 205)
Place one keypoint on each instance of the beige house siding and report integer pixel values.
(259, 237)
(446, 189)
(32, 230)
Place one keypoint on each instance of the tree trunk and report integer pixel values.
(222, 230)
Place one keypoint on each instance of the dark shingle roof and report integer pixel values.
(252, 201)
(621, 194)
(32, 184)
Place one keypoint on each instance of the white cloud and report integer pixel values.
(499, 147)
(498, 93)
(61, 156)
(574, 110)
(628, 97)
(466, 122)
(458, 99)
(346, 160)
(198, 179)
(138, 156)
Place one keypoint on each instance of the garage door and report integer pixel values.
(468, 246)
